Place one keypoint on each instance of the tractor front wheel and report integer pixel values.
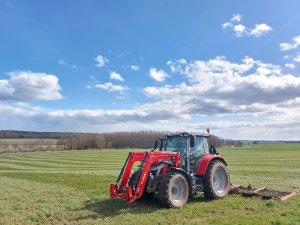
(216, 180)
(173, 191)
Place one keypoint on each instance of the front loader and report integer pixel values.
(183, 165)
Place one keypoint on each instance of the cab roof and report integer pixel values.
(186, 134)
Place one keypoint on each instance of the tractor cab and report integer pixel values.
(192, 148)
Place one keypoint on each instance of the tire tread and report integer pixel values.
(208, 189)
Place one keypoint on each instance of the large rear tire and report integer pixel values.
(173, 191)
(216, 180)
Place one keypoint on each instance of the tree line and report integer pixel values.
(41, 141)
(115, 140)
(122, 140)
(12, 134)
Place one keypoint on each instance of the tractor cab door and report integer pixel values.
(197, 152)
(177, 144)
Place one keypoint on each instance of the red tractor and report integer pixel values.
(183, 165)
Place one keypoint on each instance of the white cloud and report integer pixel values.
(226, 87)
(289, 65)
(293, 59)
(101, 60)
(134, 67)
(91, 117)
(286, 57)
(176, 65)
(158, 75)
(24, 116)
(293, 45)
(297, 58)
(226, 25)
(111, 87)
(241, 30)
(260, 29)
(285, 46)
(116, 76)
(234, 18)
(27, 85)
(6, 90)
(258, 95)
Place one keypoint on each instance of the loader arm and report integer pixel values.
(121, 190)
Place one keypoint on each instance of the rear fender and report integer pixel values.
(206, 160)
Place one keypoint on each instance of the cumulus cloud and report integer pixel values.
(27, 85)
(22, 116)
(289, 65)
(292, 45)
(260, 29)
(142, 113)
(258, 95)
(292, 60)
(158, 75)
(176, 65)
(297, 58)
(241, 30)
(219, 86)
(116, 76)
(101, 60)
(111, 87)
(235, 18)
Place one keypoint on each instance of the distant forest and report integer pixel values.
(32, 134)
(78, 141)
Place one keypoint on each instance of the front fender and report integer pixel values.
(205, 161)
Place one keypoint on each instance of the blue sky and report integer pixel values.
(97, 66)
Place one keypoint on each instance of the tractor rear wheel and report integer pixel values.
(173, 191)
(216, 180)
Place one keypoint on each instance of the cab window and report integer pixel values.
(201, 147)
(176, 144)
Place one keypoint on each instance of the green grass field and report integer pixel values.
(72, 187)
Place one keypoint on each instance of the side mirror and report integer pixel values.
(213, 150)
(192, 141)
(155, 144)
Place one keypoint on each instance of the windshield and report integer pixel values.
(176, 143)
